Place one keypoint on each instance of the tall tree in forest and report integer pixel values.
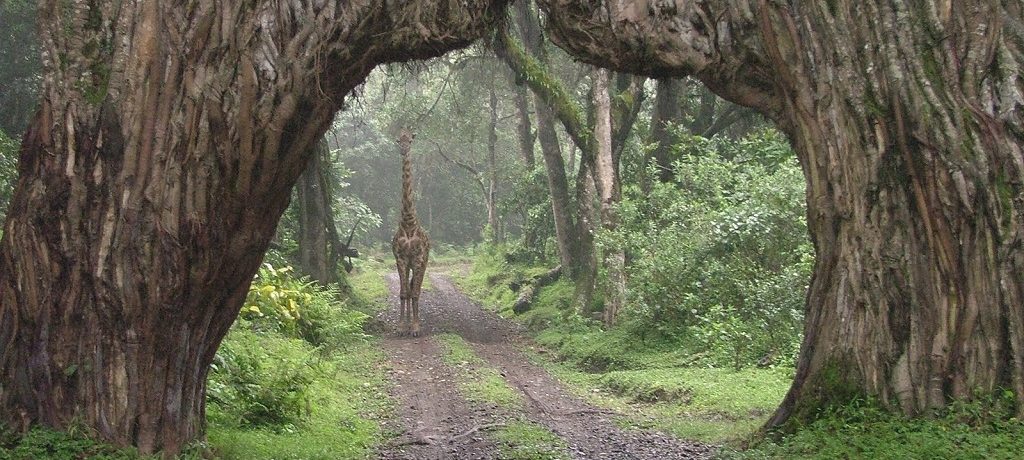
(667, 110)
(320, 246)
(908, 120)
(609, 192)
(554, 165)
(166, 145)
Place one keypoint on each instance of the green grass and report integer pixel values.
(710, 405)
(863, 430)
(479, 382)
(367, 281)
(491, 277)
(44, 443)
(525, 440)
(346, 406)
(624, 370)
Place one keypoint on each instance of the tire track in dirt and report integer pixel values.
(431, 412)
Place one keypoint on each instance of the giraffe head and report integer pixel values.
(405, 138)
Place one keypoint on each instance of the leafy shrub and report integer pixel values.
(296, 307)
(721, 256)
(262, 379)
(44, 443)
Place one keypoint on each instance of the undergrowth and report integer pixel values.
(296, 377)
(671, 384)
(72, 444)
(977, 430)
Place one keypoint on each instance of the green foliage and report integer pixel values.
(44, 443)
(297, 307)
(262, 379)
(348, 399)
(296, 378)
(720, 258)
(275, 363)
(979, 430)
(525, 440)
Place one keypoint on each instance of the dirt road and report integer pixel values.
(435, 422)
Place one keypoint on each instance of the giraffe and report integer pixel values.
(411, 247)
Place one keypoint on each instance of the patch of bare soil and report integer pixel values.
(437, 423)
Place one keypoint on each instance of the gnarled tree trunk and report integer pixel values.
(908, 120)
(152, 178)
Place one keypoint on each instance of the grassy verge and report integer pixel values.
(710, 405)
(346, 404)
(667, 387)
(980, 430)
(623, 370)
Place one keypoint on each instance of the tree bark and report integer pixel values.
(908, 120)
(667, 110)
(152, 177)
(492, 170)
(609, 193)
(319, 244)
(585, 257)
(525, 127)
(551, 152)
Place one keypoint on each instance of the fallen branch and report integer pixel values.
(432, 440)
(527, 294)
(474, 430)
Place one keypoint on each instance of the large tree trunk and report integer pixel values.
(152, 178)
(908, 119)
(586, 225)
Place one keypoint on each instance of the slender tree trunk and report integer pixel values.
(908, 121)
(316, 253)
(667, 110)
(609, 193)
(525, 127)
(554, 165)
(152, 178)
(492, 171)
(585, 257)
(558, 185)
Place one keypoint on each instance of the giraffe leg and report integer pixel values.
(417, 282)
(403, 297)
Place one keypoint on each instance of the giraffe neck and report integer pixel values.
(408, 206)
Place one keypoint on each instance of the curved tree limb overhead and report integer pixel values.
(717, 41)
